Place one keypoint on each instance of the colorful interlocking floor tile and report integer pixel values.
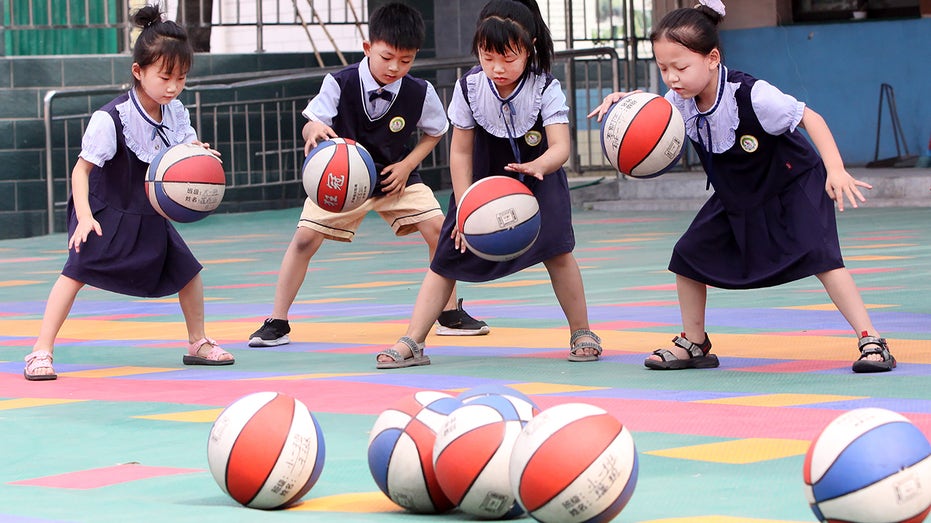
(122, 434)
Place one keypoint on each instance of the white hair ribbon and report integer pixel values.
(715, 5)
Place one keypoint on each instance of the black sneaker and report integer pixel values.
(271, 334)
(457, 322)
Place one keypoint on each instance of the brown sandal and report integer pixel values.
(699, 357)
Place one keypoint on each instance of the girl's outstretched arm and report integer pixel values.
(460, 169)
(80, 187)
(839, 183)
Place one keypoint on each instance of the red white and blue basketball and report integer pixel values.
(572, 463)
(869, 465)
(642, 135)
(185, 183)
(524, 407)
(499, 218)
(471, 456)
(339, 175)
(400, 451)
(266, 450)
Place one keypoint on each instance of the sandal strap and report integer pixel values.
(665, 354)
(393, 354)
(869, 345)
(215, 352)
(39, 356)
(694, 350)
(416, 348)
(575, 345)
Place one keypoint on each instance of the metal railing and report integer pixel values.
(259, 138)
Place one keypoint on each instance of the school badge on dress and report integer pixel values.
(749, 143)
(533, 138)
(396, 124)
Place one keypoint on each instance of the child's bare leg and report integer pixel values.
(191, 298)
(693, 296)
(57, 308)
(430, 230)
(433, 294)
(304, 244)
(566, 279)
(843, 291)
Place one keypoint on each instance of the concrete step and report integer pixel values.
(892, 187)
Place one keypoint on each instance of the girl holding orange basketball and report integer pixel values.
(771, 217)
(118, 242)
(509, 115)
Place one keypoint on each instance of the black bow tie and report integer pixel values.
(384, 95)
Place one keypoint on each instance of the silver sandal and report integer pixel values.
(577, 347)
(399, 362)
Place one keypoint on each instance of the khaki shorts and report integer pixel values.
(416, 204)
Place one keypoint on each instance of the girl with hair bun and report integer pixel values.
(771, 217)
(117, 241)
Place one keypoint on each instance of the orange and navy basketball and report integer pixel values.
(339, 175)
(471, 457)
(642, 135)
(869, 465)
(400, 451)
(499, 218)
(574, 463)
(266, 450)
(185, 183)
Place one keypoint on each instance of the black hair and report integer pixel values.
(515, 25)
(161, 39)
(695, 28)
(397, 25)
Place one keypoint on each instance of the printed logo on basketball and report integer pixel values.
(507, 218)
(533, 138)
(749, 143)
(396, 124)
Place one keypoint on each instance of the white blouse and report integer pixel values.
(512, 116)
(777, 112)
(139, 131)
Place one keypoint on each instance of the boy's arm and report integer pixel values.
(839, 182)
(399, 172)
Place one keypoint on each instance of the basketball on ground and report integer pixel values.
(869, 465)
(266, 450)
(400, 451)
(574, 463)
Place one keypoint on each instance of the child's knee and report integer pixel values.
(306, 241)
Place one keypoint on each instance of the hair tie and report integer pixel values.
(715, 5)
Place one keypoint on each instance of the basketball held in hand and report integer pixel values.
(339, 175)
(185, 183)
(642, 135)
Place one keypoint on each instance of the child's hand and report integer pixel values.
(840, 183)
(206, 145)
(524, 168)
(458, 240)
(609, 100)
(396, 181)
(82, 231)
(314, 132)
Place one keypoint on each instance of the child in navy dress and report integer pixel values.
(771, 217)
(509, 116)
(118, 242)
(378, 104)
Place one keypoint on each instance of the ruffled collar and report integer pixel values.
(507, 117)
(719, 122)
(145, 137)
